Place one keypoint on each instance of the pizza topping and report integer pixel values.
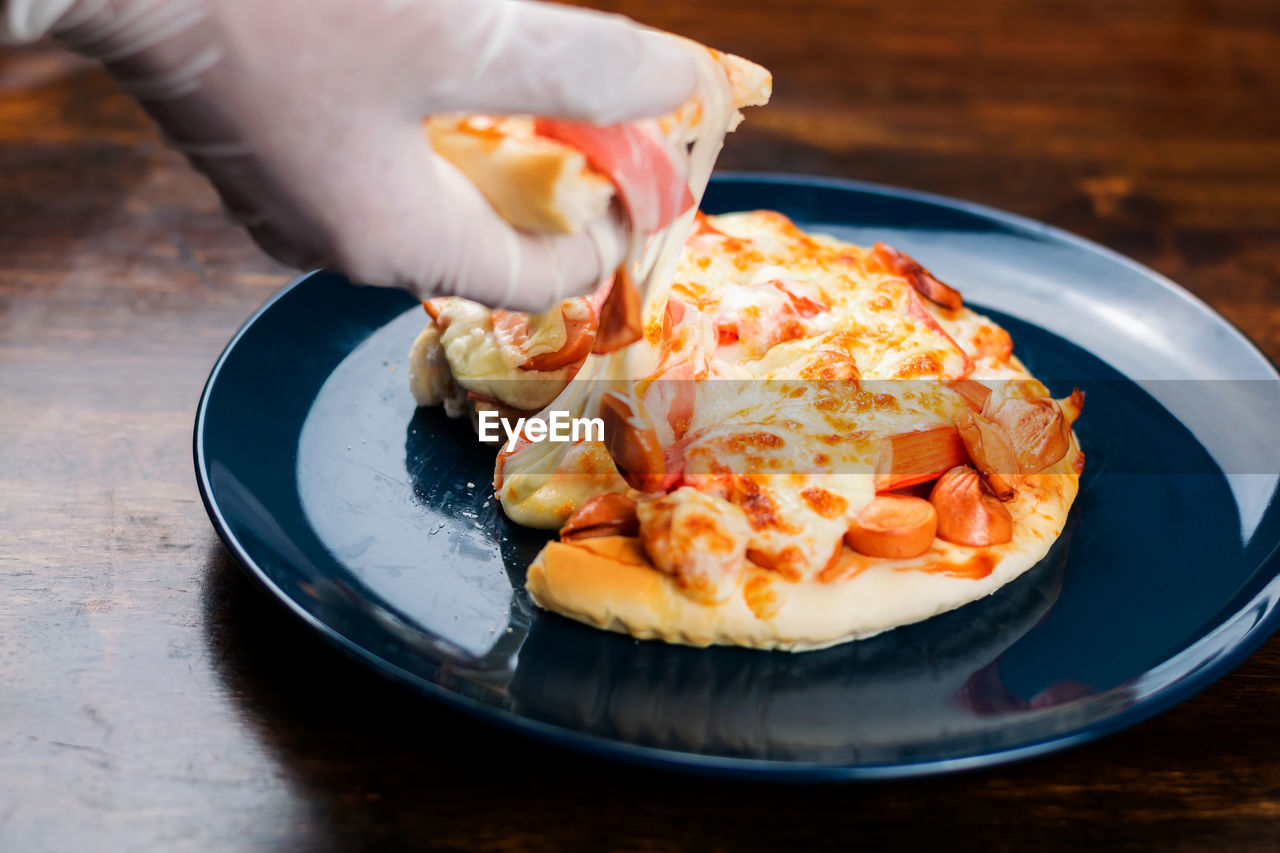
(632, 443)
(487, 364)
(830, 365)
(680, 350)
(620, 322)
(894, 527)
(754, 499)
(991, 341)
(698, 539)
(673, 315)
(958, 364)
(703, 230)
(610, 514)
(557, 338)
(992, 453)
(794, 531)
(916, 457)
(651, 185)
(918, 277)
(534, 497)
(761, 597)
(974, 392)
(968, 514)
(1072, 406)
(560, 337)
(761, 315)
(1015, 435)
(824, 503)
(801, 304)
(978, 566)
(1037, 430)
(432, 307)
(672, 393)
(787, 561)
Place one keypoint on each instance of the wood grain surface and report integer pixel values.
(152, 698)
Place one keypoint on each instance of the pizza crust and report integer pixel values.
(544, 186)
(533, 183)
(609, 583)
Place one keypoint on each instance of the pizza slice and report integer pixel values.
(553, 176)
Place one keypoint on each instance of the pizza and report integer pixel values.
(806, 441)
(821, 442)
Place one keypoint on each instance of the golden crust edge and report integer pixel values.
(646, 604)
(544, 186)
(534, 184)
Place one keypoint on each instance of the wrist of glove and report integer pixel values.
(307, 117)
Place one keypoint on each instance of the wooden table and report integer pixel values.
(152, 698)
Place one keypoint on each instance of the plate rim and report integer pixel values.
(1017, 220)
(1144, 708)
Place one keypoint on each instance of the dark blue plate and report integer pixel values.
(375, 523)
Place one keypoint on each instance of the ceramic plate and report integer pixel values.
(376, 524)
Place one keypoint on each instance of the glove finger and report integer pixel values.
(243, 189)
(551, 60)
(493, 263)
(434, 232)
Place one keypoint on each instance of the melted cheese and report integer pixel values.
(698, 538)
(808, 355)
(429, 372)
(484, 362)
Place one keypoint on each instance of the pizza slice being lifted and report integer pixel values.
(551, 176)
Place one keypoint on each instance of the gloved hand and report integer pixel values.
(306, 115)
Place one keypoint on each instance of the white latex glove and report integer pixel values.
(306, 115)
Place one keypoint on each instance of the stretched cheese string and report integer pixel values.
(694, 137)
